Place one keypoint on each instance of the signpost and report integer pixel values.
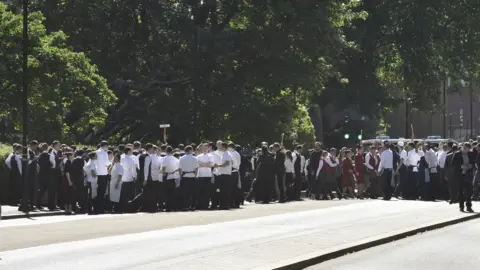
(165, 126)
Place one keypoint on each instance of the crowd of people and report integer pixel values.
(209, 176)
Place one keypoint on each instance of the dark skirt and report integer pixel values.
(68, 192)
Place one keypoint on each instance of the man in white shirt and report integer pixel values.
(402, 170)
(188, 168)
(102, 172)
(431, 188)
(235, 191)
(146, 200)
(385, 169)
(413, 158)
(205, 162)
(157, 176)
(170, 168)
(14, 163)
(127, 192)
(298, 168)
(224, 170)
(217, 159)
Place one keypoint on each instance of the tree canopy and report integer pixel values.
(247, 70)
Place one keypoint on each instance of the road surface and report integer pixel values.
(259, 237)
(455, 247)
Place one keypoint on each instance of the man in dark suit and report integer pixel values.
(279, 170)
(450, 174)
(463, 163)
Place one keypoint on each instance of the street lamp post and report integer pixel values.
(24, 202)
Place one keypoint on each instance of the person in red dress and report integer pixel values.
(360, 171)
(347, 175)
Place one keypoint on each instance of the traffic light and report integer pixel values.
(359, 137)
(346, 136)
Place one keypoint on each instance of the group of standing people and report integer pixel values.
(130, 178)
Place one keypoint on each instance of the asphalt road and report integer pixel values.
(455, 247)
(24, 233)
(261, 237)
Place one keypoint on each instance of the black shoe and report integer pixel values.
(470, 210)
(462, 209)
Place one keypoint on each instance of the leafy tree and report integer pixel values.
(66, 93)
(212, 69)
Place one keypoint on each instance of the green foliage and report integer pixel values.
(248, 68)
(66, 92)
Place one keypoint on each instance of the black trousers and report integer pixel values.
(81, 196)
(280, 176)
(46, 183)
(189, 190)
(297, 186)
(224, 184)
(14, 189)
(146, 200)
(127, 194)
(100, 201)
(204, 191)
(387, 184)
(169, 194)
(32, 185)
(159, 195)
(215, 192)
(290, 185)
(412, 185)
(465, 190)
(235, 192)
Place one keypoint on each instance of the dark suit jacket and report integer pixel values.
(279, 164)
(457, 162)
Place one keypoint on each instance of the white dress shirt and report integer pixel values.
(129, 168)
(170, 163)
(156, 168)
(320, 166)
(295, 155)
(289, 166)
(91, 165)
(431, 160)
(404, 156)
(205, 171)
(146, 167)
(412, 159)
(227, 170)
(236, 160)
(307, 162)
(114, 193)
(102, 162)
(217, 159)
(17, 158)
(386, 160)
(52, 158)
(442, 157)
(367, 161)
(188, 164)
(88, 168)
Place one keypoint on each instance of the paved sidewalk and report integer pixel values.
(11, 212)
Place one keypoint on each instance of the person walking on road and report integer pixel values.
(464, 162)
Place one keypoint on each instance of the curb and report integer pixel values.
(302, 264)
(32, 215)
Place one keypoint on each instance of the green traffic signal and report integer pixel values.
(346, 136)
(359, 137)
